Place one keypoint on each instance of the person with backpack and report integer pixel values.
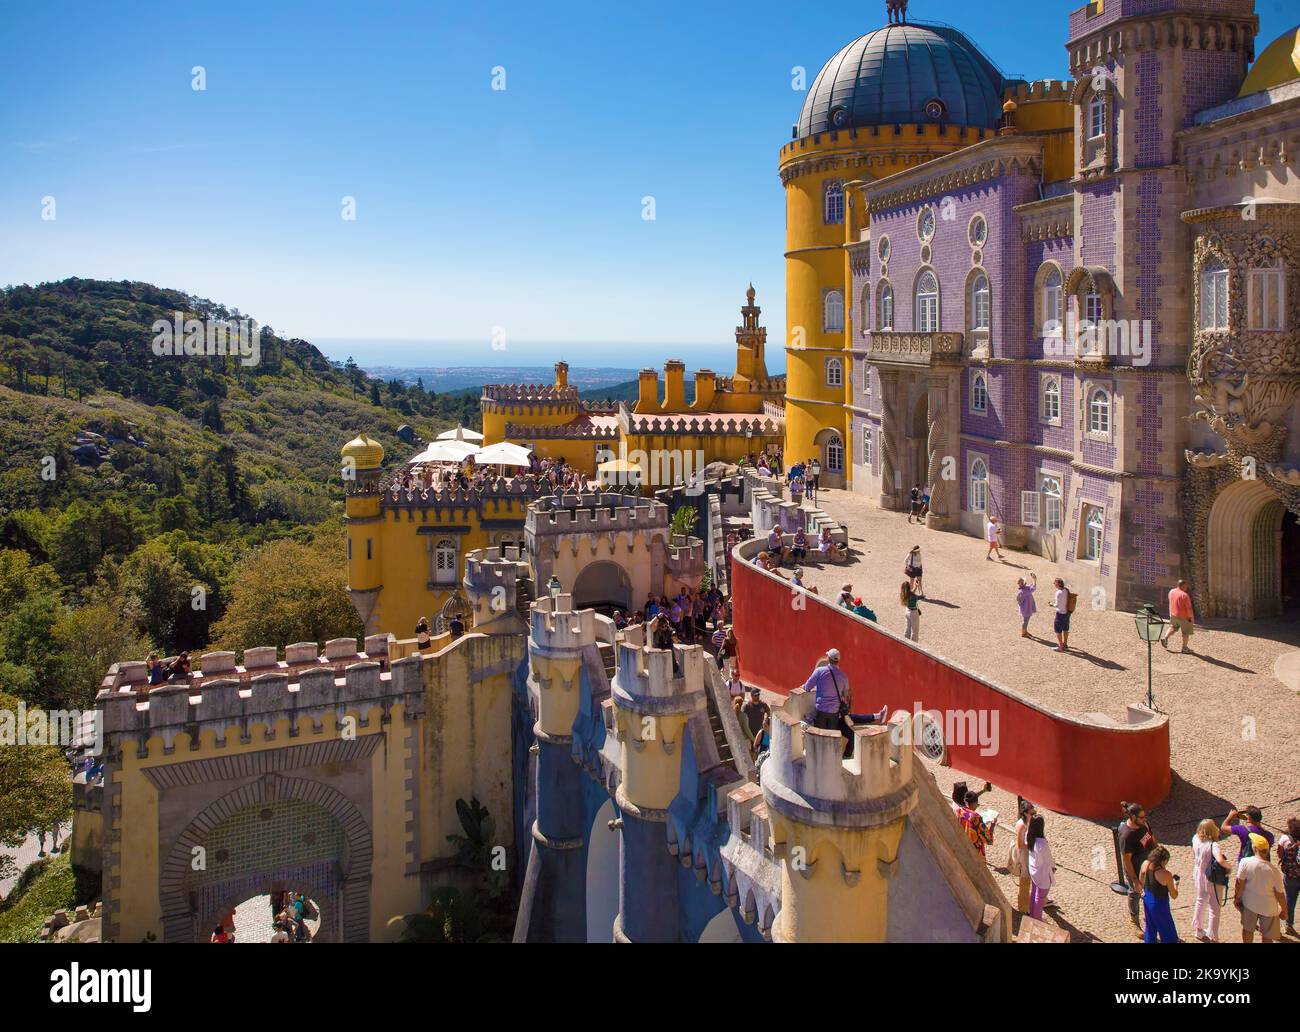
(912, 569)
(979, 831)
(1209, 873)
(1288, 855)
(1064, 602)
(914, 508)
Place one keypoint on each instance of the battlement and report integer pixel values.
(567, 431)
(529, 393)
(225, 702)
(1040, 90)
(702, 423)
(558, 627)
(491, 581)
(594, 513)
(505, 489)
(644, 680)
(807, 779)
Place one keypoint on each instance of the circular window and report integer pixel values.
(977, 257)
(839, 117)
(979, 231)
(925, 224)
(883, 249)
(929, 741)
(925, 254)
(935, 108)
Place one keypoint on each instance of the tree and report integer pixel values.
(157, 590)
(286, 592)
(88, 640)
(35, 788)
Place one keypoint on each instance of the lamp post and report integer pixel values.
(1149, 628)
(554, 587)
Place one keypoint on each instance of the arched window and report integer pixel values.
(833, 311)
(1097, 116)
(1266, 297)
(1053, 312)
(979, 393)
(864, 309)
(925, 224)
(866, 447)
(885, 301)
(1051, 406)
(1051, 504)
(980, 303)
(1094, 528)
(979, 486)
(835, 454)
(834, 373)
(1099, 412)
(444, 561)
(833, 202)
(1093, 312)
(927, 303)
(1214, 296)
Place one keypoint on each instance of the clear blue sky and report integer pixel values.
(475, 208)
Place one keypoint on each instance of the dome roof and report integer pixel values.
(1279, 63)
(892, 75)
(365, 451)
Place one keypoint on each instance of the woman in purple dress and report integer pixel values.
(1025, 600)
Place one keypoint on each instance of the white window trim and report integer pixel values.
(1097, 104)
(976, 375)
(438, 552)
(1056, 478)
(885, 292)
(1213, 279)
(918, 325)
(934, 224)
(977, 460)
(838, 367)
(972, 299)
(831, 188)
(827, 326)
(1030, 504)
(970, 231)
(1099, 435)
(1053, 302)
(1043, 417)
(1082, 556)
(834, 443)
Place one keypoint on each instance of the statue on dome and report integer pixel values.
(897, 11)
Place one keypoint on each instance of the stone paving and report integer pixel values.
(1234, 727)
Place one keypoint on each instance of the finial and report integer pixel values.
(749, 294)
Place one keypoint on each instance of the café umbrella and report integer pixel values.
(503, 453)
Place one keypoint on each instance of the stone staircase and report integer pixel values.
(524, 596)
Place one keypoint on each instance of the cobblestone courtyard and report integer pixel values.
(1234, 727)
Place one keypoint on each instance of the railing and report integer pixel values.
(916, 349)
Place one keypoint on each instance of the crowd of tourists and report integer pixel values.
(290, 912)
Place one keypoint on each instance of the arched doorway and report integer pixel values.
(833, 458)
(1244, 549)
(918, 442)
(602, 876)
(274, 834)
(603, 586)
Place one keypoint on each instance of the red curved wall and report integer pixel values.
(1071, 767)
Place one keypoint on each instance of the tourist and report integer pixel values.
(422, 633)
(662, 638)
(776, 546)
(796, 580)
(864, 611)
(829, 548)
(1159, 886)
(925, 502)
(762, 739)
(831, 688)
(730, 652)
(912, 569)
(1063, 603)
(1042, 871)
(651, 607)
(799, 547)
(1180, 615)
(1243, 823)
(179, 670)
(755, 711)
(1288, 858)
(1025, 602)
(219, 934)
(735, 687)
(979, 831)
(992, 534)
(157, 671)
(456, 627)
(1135, 844)
(1018, 855)
(914, 504)
(961, 790)
(1260, 894)
(846, 596)
(907, 598)
(1206, 852)
(812, 481)
(620, 621)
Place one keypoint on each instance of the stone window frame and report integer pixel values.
(1096, 152)
(979, 386)
(885, 294)
(926, 209)
(1085, 527)
(883, 248)
(1046, 380)
(1084, 282)
(1089, 396)
(977, 219)
(833, 188)
(979, 339)
(917, 327)
(835, 445)
(1260, 267)
(981, 460)
(441, 548)
(864, 308)
(827, 294)
(1045, 475)
(868, 447)
(834, 372)
(1040, 296)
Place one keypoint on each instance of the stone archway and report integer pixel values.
(832, 451)
(336, 874)
(602, 585)
(1244, 552)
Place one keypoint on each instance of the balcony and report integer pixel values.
(913, 350)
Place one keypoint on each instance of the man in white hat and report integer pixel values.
(834, 698)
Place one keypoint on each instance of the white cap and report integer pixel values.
(833, 655)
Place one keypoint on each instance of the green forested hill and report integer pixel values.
(191, 478)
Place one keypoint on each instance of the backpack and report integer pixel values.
(1288, 855)
(1071, 600)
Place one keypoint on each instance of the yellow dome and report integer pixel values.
(1279, 63)
(365, 451)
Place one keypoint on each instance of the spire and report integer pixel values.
(749, 294)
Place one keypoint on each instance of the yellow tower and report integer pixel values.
(362, 458)
(858, 124)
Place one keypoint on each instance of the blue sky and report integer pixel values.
(476, 208)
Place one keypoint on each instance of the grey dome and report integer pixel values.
(891, 75)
